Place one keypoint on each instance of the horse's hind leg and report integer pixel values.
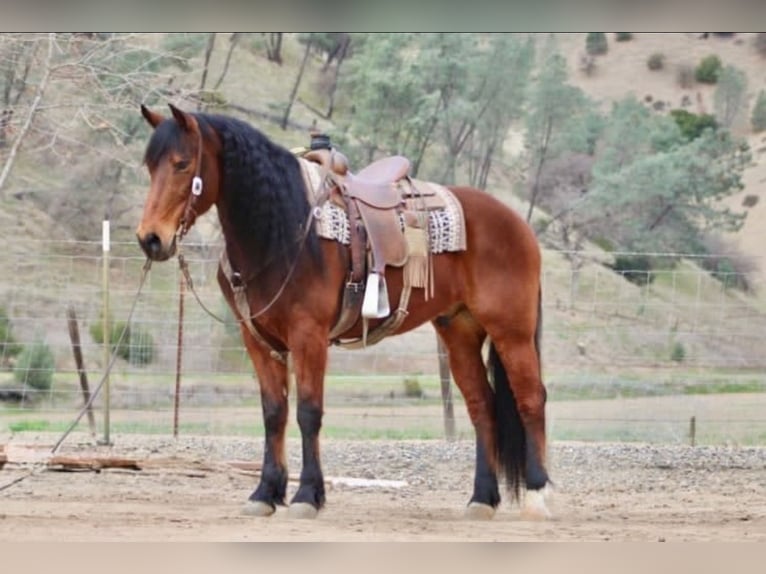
(464, 338)
(519, 370)
(272, 379)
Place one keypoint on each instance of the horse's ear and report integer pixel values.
(153, 118)
(184, 119)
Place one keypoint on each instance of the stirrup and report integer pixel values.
(375, 304)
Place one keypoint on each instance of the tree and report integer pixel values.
(504, 96)
(730, 98)
(206, 66)
(449, 64)
(554, 106)
(758, 118)
(632, 131)
(435, 95)
(336, 46)
(391, 106)
(563, 184)
(46, 70)
(648, 187)
(75, 98)
(274, 46)
(302, 70)
(596, 43)
(234, 39)
(667, 199)
(477, 104)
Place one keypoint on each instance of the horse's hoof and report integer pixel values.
(479, 511)
(258, 508)
(302, 510)
(534, 507)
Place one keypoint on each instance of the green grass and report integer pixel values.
(34, 425)
(604, 387)
(658, 432)
(251, 430)
(389, 391)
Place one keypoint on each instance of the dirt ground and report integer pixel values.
(415, 491)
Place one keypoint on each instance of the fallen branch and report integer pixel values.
(191, 468)
(69, 463)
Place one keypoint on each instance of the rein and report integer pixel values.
(185, 270)
(240, 288)
(94, 394)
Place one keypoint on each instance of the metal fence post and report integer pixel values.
(105, 240)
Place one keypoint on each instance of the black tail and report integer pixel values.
(511, 436)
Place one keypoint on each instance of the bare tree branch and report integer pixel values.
(233, 41)
(32, 110)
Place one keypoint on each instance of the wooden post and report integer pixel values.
(179, 352)
(74, 336)
(446, 387)
(693, 431)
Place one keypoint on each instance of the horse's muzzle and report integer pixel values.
(154, 248)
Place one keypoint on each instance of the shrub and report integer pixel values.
(35, 366)
(623, 36)
(692, 125)
(595, 43)
(9, 347)
(751, 200)
(732, 272)
(724, 263)
(708, 69)
(678, 352)
(140, 349)
(635, 268)
(412, 388)
(758, 119)
(115, 335)
(656, 61)
(136, 346)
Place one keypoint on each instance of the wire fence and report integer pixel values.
(668, 355)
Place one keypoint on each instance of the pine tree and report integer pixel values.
(758, 119)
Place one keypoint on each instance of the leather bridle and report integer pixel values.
(190, 213)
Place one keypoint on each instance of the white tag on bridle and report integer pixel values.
(197, 186)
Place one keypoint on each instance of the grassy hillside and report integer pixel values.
(610, 327)
(623, 70)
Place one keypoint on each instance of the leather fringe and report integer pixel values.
(419, 268)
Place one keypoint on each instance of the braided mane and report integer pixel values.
(262, 200)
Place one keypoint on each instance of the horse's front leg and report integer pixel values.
(272, 379)
(309, 354)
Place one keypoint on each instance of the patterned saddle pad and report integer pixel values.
(446, 226)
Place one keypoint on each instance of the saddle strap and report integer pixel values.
(351, 308)
(243, 307)
(386, 328)
(357, 240)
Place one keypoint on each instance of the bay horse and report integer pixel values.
(292, 281)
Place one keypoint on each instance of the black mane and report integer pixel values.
(262, 198)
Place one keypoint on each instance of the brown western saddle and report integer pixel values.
(385, 211)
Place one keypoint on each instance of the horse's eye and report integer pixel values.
(181, 165)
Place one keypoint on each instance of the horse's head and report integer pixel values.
(182, 163)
